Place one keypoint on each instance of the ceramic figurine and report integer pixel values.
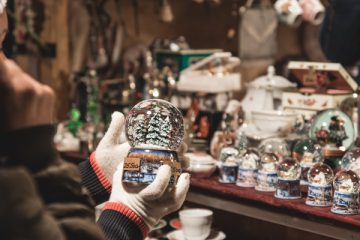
(248, 165)
(346, 194)
(275, 145)
(308, 153)
(351, 160)
(154, 129)
(288, 186)
(320, 177)
(266, 177)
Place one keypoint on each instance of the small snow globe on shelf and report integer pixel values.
(346, 193)
(277, 146)
(155, 130)
(351, 160)
(308, 153)
(227, 154)
(248, 165)
(288, 186)
(266, 177)
(228, 170)
(320, 178)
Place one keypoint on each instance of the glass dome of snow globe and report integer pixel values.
(227, 154)
(307, 151)
(320, 174)
(351, 160)
(249, 160)
(155, 123)
(346, 181)
(274, 145)
(155, 130)
(268, 162)
(289, 169)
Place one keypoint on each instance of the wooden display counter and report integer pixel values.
(265, 207)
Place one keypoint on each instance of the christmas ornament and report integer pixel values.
(346, 194)
(154, 129)
(288, 186)
(248, 165)
(266, 177)
(320, 177)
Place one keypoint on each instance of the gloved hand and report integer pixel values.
(154, 201)
(113, 147)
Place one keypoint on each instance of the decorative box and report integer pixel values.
(321, 86)
(182, 59)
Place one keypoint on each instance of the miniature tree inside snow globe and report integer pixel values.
(288, 186)
(155, 130)
(248, 165)
(346, 192)
(266, 176)
(308, 153)
(320, 177)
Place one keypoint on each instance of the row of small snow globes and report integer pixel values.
(270, 169)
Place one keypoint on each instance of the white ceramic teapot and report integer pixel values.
(264, 93)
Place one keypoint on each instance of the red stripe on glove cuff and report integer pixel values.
(99, 173)
(125, 210)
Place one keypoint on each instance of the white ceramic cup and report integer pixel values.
(289, 12)
(314, 11)
(196, 223)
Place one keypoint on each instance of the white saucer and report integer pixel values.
(179, 235)
(252, 132)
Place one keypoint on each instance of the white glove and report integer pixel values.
(110, 153)
(154, 201)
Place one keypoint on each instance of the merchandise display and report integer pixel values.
(288, 186)
(154, 129)
(320, 177)
(346, 193)
(248, 166)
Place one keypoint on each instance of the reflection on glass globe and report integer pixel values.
(320, 174)
(351, 160)
(249, 160)
(346, 181)
(268, 162)
(289, 169)
(274, 145)
(228, 155)
(307, 151)
(155, 124)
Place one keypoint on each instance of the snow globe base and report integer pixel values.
(246, 177)
(319, 196)
(266, 182)
(141, 165)
(345, 203)
(228, 173)
(288, 189)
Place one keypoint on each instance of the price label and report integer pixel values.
(132, 164)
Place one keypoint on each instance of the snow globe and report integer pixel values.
(155, 130)
(346, 194)
(227, 154)
(275, 145)
(320, 177)
(288, 186)
(266, 177)
(351, 160)
(248, 165)
(308, 153)
(228, 169)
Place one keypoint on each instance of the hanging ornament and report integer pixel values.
(166, 13)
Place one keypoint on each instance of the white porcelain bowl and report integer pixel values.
(273, 121)
(200, 165)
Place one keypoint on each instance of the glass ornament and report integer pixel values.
(351, 160)
(266, 177)
(154, 129)
(275, 145)
(346, 194)
(320, 178)
(155, 124)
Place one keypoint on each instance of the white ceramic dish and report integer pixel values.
(179, 235)
(274, 122)
(200, 165)
(252, 132)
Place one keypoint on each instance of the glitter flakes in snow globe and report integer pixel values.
(320, 177)
(154, 129)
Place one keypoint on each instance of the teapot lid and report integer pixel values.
(271, 80)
